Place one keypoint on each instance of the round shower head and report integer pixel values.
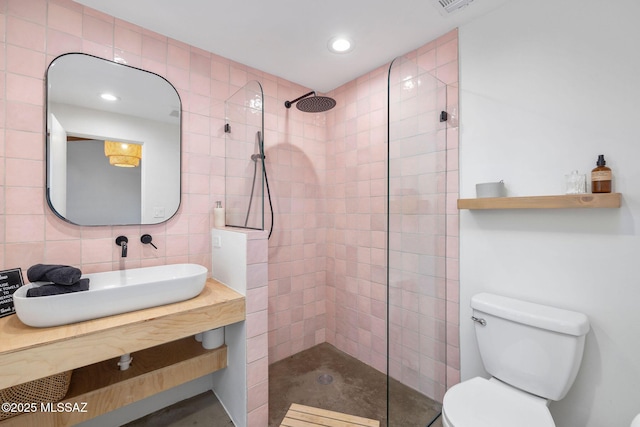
(312, 104)
(316, 104)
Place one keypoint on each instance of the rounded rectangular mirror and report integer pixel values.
(113, 143)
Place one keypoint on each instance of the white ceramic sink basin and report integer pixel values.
(112, 292)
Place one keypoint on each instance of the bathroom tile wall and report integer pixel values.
(326, 171)
(257, 325)
(295, 150)
(35, 32)
(356, 290)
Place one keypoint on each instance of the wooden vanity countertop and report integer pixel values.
(28, 353)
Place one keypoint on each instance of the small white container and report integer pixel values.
(490, 189)
(219, 220)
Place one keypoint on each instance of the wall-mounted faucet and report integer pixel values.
(122, 242)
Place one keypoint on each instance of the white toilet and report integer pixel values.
(532, 352)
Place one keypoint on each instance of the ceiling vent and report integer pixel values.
(446, 7)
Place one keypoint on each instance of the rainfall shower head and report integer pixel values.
(312, 104)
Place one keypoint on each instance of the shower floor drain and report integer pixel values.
(325, 379)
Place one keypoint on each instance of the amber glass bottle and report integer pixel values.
(601, 177)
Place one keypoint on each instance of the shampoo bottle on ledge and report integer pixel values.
(219, 220)
(601, 177)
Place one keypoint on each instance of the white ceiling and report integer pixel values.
(288, 38)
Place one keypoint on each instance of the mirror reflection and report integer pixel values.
(113, 143)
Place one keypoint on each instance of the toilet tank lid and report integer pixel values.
(528, 313)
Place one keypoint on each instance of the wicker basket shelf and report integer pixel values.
(45, 390)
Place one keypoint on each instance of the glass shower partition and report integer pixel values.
(244, 158)
(416, 317)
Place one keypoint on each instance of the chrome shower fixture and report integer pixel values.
(312, 104)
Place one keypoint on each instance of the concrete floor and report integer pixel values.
(201, 410)
(355, 389)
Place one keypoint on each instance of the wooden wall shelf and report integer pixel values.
(567, 201)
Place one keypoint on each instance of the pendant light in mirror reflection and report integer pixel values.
(123, 154)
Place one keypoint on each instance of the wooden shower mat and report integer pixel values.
(307, 416)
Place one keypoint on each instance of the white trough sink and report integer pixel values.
(112, 292)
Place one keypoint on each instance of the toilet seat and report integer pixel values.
(479, 402)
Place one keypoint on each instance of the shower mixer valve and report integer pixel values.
(146, 239)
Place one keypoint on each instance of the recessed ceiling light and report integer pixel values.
(340, 45)
(108, 97)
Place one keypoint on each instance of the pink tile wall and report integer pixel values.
(296, 156)
(357, 180)
(35, 32)
(257, 330)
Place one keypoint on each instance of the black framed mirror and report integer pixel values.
(113, 143)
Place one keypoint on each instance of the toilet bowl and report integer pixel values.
(532, 352)
(479, 402)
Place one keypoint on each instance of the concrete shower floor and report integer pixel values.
(356, 389)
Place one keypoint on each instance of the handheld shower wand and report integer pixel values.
(259, 157)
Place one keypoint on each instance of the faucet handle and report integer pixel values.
(146, 239)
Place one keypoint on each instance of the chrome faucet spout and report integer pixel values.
(122, 242)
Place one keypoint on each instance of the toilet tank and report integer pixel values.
(533, 347)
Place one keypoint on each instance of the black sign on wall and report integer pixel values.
(10, 280)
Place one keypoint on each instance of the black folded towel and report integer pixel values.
(58, 274)
(53, 289)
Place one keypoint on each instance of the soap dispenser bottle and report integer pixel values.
(601, 177)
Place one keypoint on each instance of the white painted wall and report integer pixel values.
(229, 266)
(545, 87)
